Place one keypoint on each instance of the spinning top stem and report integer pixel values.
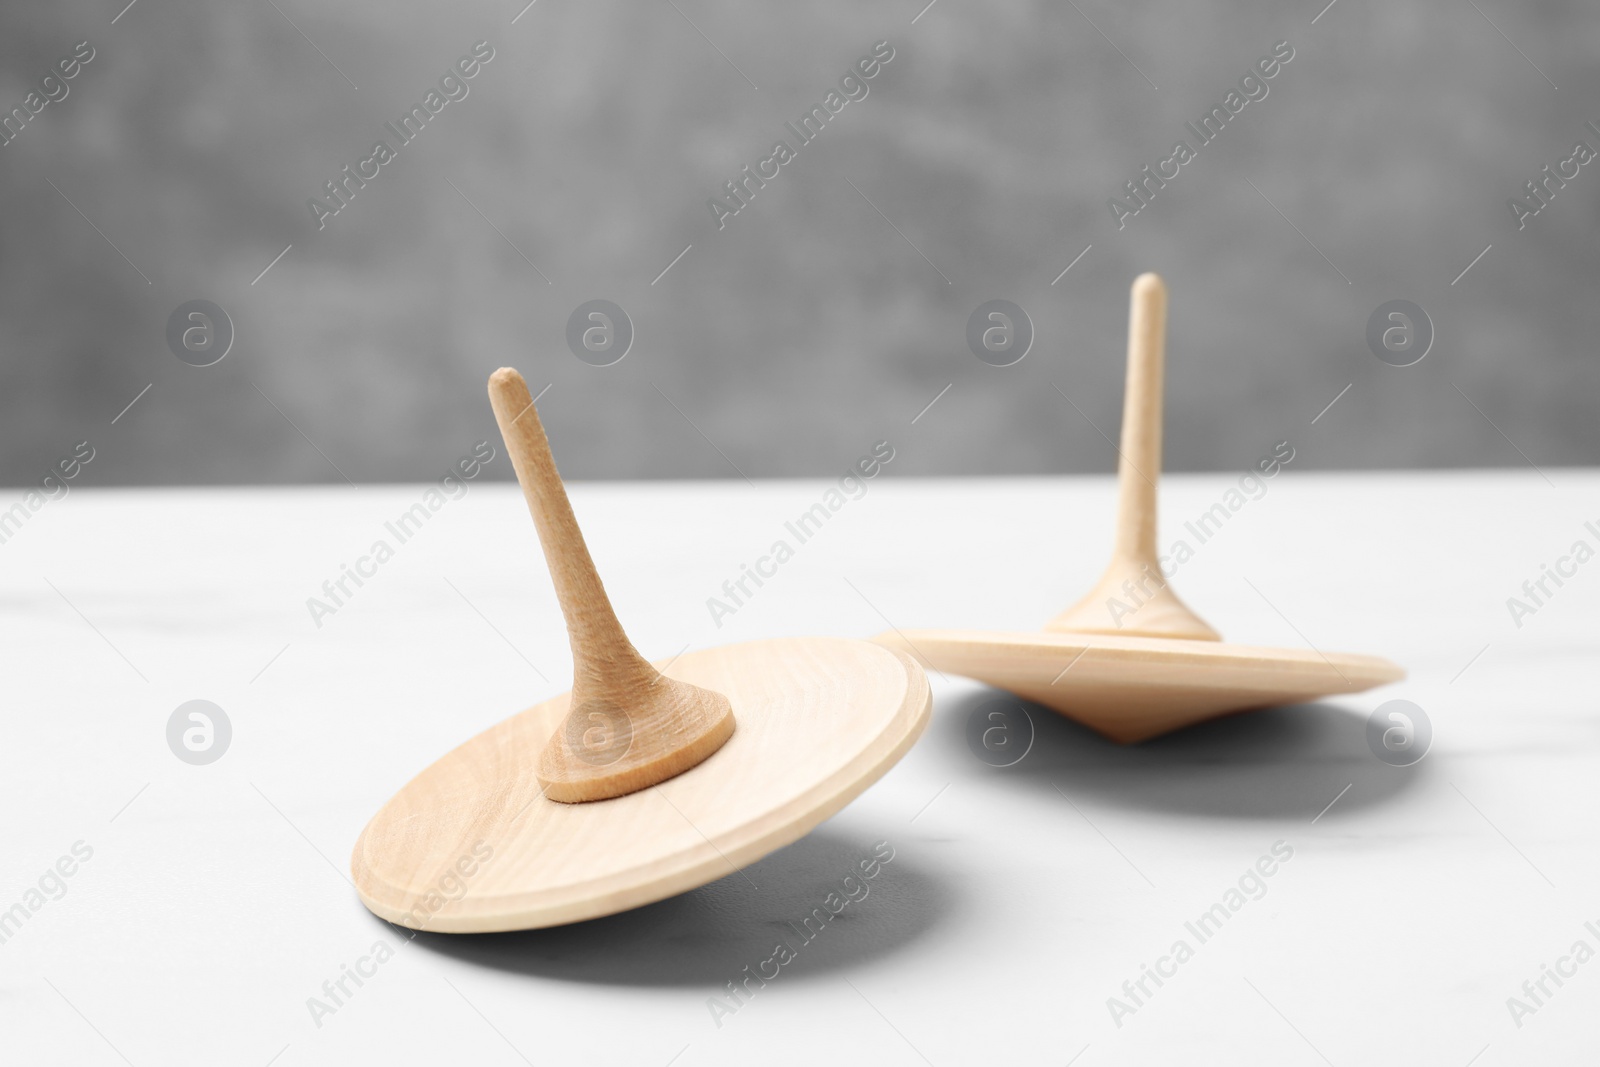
(1133, 596)
(629, 727)
(1139, 461)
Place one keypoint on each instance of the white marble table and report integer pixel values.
(215, 904)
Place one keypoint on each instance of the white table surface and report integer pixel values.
(1019, 899)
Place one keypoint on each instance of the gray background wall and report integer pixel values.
(808, 327)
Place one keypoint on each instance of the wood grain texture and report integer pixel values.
(820, 719)
(629, 727)
(1135, 688)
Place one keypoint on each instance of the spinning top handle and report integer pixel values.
(602, 655)
(1139, 466)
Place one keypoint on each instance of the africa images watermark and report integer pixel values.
(1209, 923)
(199, 732)
(53, 486)
(1253, 86)
(451, 886)
(1541, 190)
(53, 89)
(51, 885)
(852, 890)
(852, 486)
(1580, 953)
(402, 528)
(852, 86)
(1203, 528)
(452, 86)
(1538, 591)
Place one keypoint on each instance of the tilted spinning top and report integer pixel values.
(641, 782)
(1161, 667)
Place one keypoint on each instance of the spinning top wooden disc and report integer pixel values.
(1135, 688)
(1130, 659)
(820, 719)
(641, 782)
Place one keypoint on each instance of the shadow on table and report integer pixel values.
(705, 937)
(1275, 763)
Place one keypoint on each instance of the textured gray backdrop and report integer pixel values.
(832, 309)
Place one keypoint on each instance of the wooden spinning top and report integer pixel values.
(637, 784)
(1161, 667)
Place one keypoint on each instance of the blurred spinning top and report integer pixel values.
(1135, 674)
